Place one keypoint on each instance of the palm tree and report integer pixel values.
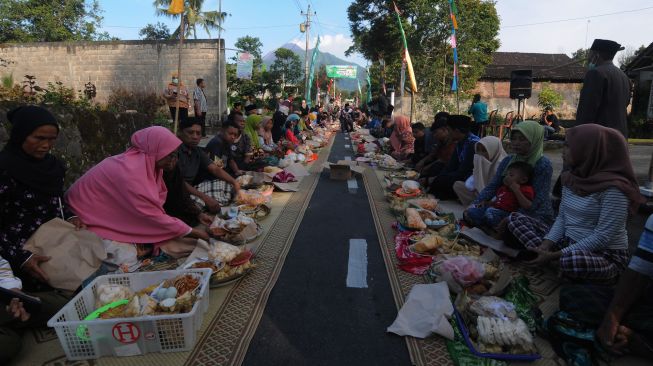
(193, 17)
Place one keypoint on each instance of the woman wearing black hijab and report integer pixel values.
(31, 188)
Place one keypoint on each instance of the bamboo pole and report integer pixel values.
(181, 43)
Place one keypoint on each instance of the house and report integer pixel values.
(558, 71)
(640, 71)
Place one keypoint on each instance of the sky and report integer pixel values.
(550, 26)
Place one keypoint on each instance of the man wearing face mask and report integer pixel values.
(176, 90)
(606, 89)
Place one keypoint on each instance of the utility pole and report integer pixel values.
(306, 28)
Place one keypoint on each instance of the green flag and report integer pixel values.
(369, 87)
(312, 72)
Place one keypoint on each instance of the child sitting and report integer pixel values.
(515, 193)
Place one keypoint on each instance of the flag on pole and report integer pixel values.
(409, 63)
(312, 71)
(176, 7)
(369, 87)
(454, 43)
(360, 90)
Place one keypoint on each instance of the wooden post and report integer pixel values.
(181, 43)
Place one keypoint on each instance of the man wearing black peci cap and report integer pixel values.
(606, 89)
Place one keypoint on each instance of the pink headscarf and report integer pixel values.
(122, 197)
(402, 139)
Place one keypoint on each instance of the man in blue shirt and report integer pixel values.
(478, 110)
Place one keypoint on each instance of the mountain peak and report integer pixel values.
(324, 58)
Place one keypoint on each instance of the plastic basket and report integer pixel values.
(129, 336)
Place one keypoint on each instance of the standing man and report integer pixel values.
(478, 110)
(201, 107)
(606, 89)
(176, 90)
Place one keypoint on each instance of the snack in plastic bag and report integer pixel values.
(410, 186)
(108, 293)
(503, 332)
(250, 197)
(223, 252)
(414, 220)
(464, 270)
(492, 306)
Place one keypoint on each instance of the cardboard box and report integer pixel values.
(340, 171)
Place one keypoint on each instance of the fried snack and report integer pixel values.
(414, 220)
(429, 204)
(205, 264)
(244, 180)
(117, 312)
(185, 283)
(429, 244)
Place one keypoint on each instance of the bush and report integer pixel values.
(148, 103)
(549, 98)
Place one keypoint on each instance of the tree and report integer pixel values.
(580, 55)
(50, 21)
(153, 32)
(287, 66)
(629, 54)
(427, 25)
(193, 17)
(256, 85)
(252, 45)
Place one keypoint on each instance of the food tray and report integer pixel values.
(496, 356)
(129, 336)
(229, 280)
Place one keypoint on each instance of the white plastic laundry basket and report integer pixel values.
(129, 336)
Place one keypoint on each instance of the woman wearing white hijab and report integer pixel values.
(489, 153)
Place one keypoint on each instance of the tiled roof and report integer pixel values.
(546, 67)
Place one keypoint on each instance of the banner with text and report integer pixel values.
(341, 71)
(244, 65)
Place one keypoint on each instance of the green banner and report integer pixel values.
(312, 73)
(341, 71)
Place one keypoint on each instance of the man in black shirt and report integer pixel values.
(196, 167)
(550, 123)
(606, 89)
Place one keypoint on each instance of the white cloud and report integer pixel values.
(335, 44)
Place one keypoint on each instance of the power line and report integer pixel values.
(579, 18)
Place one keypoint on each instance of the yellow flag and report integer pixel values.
(176, 7)
(411, 72)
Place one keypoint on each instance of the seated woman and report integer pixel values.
(489, 154)
(461, 164)
(288, 131)
(527, 144)
(264, 133)
(402, 140)
(121, 200)
(31, 190)
(589, 235)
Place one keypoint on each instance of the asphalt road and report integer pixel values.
(313, 316)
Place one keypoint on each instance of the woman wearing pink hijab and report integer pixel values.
(402, 140)
(121, 199)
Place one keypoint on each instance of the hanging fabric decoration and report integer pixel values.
(454, 43)
(176, 7)
(312, 72)
(409, 63)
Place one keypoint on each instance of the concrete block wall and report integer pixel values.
(497, 96)
(133, 65)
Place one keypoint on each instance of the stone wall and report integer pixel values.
(133, 65)
(497, 96)
(83, 141)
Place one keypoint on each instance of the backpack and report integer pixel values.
(574, 341)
